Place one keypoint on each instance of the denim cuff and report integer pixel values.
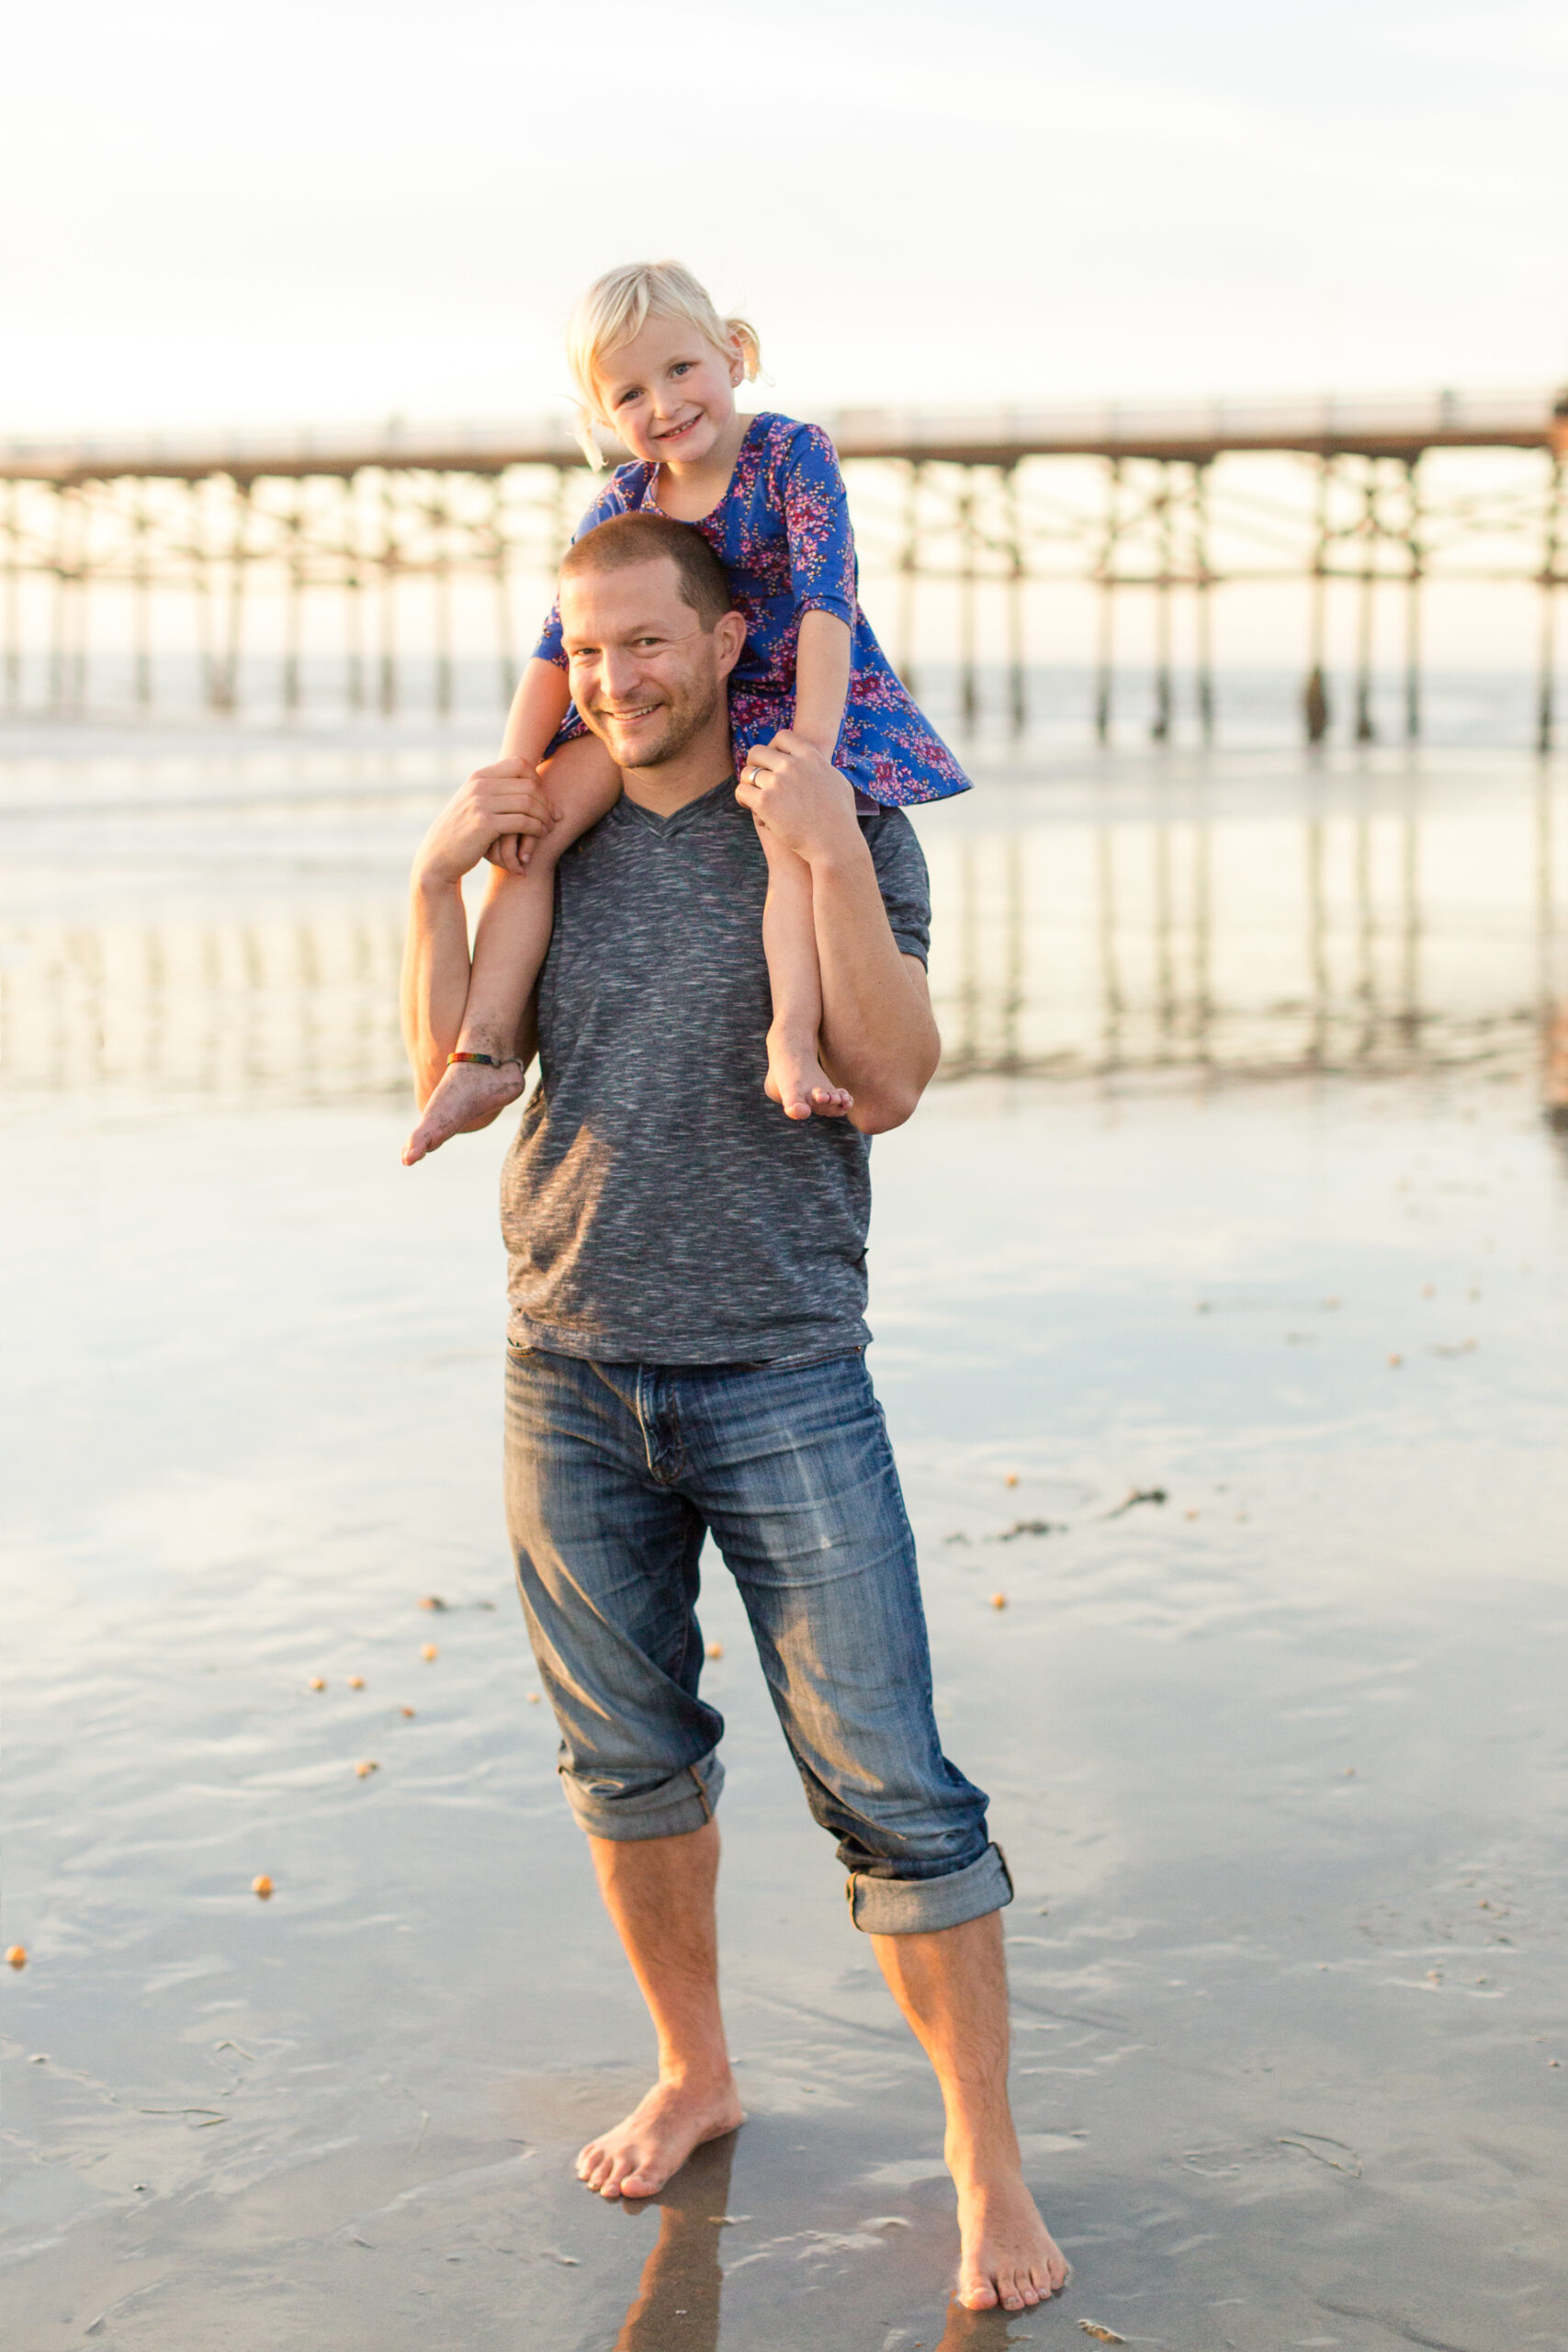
(913, 1906)
(669, 1809)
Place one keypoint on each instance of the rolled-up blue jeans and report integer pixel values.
(615, 1473)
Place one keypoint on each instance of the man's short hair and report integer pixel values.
(623, 540)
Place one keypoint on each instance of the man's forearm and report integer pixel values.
(878, 1036)
(435, 979)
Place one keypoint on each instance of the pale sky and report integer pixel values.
(222, 213)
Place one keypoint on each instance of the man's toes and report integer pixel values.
(977, 2295)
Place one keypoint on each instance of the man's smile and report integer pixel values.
(625, 718)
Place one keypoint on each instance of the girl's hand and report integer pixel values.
(504, 802)
(512, 852)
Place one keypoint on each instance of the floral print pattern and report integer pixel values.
(781, 531)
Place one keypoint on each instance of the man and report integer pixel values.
(687, 1276)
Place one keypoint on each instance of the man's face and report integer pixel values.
(646, 674)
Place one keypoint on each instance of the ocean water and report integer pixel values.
(1244, 1191)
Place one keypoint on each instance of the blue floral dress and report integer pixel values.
(782, 532)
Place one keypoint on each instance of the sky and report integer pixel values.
(341, 211)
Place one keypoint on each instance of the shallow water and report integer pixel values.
(1279, 1760)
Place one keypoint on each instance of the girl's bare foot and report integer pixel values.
(1008, 2256)
(798, 1081)
(471, 1094)
(638, 2156)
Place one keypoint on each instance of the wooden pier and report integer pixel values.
(173, 568)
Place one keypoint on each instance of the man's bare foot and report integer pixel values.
(1008, 2256)
(638, 2156)
(798, 1083)
(471, 1094)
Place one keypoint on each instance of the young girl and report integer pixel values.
(655, 364)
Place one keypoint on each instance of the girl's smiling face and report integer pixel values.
(669, 394)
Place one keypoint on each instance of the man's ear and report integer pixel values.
(730, 635)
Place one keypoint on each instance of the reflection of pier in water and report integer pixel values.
(233, 1007)
(1380, 934)
(1379, 939)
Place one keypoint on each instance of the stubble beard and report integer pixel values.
(683, 722)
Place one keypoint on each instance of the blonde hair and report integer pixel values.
(617, 305)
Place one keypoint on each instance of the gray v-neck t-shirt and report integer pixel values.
(656, 1206)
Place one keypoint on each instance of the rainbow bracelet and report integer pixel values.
(490, 1061)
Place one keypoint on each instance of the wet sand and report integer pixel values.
(1277, 1760)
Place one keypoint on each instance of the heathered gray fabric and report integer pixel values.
(656, 1208)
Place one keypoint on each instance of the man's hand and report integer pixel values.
(801, 798)
(485, 817)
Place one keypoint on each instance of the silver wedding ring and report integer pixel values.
(747, 776)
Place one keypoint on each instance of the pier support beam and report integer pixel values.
(142, 609)
(14, 595)
(1366, 731)
(502, 588)
(201, 591)
(354, 595)
(293, 613)
(440, 516)
(1203, 582)
(1159, 726)
(388, 567)
(1416, 558)
(58, 615)
(1546, 691)
(908, 571)
(1018, 711)
(968, 683)
(226, 680)
(1316, 711)
(1105, 573)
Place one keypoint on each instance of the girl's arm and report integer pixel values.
(811, 491)
(541, 702)
(821, 680)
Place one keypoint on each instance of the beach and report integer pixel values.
(1218, 1289)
